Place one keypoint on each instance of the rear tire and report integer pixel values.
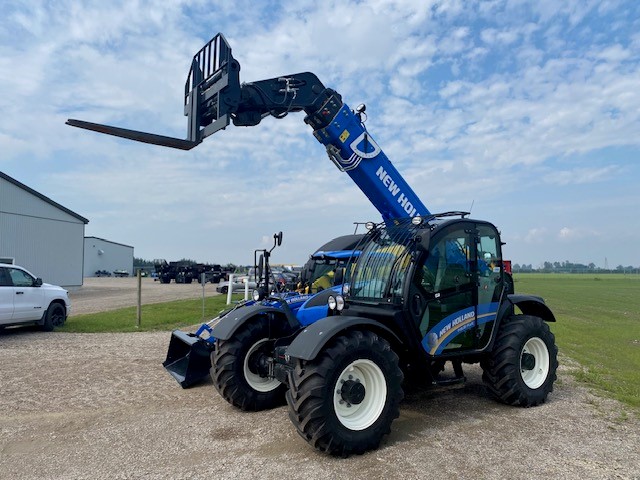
(54, 317)
(522, 367)
(234, 372)
(345, 400)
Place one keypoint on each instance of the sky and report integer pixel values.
(527, 113)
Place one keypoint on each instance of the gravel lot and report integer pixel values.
(87, 406)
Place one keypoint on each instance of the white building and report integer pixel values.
(40, 234)
(104, 255)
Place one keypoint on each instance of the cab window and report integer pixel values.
(5, 279)
(447, 265)
(489, 265)
(20, 278)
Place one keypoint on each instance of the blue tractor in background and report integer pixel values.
(189, 354)
(425, 289)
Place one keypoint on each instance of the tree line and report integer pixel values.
(570, 267)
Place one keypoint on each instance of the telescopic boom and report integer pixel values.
(214, 97)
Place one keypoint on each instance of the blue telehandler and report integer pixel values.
(426, 289)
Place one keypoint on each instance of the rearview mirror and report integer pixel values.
(338, 277)
(260, 268)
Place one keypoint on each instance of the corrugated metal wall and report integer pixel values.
(42, 238)
(100, 254)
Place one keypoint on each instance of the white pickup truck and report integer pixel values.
(24, 299)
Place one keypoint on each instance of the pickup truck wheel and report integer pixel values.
(54, 317)
(522, 367)
(345, 400)
(238, 368)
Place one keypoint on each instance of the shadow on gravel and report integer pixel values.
(20, 330)
(427, 410)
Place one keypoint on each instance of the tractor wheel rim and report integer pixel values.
(255, 381)
(364, 383)
(534, 373)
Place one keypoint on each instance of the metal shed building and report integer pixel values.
(101, 254)
(40, 234)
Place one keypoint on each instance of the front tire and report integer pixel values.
(236, 371)
(522, 367)
(54, 317)
(345, 400)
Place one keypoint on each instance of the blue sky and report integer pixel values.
(529, 111)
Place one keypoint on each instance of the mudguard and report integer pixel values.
(313, 338)
(529, 305)
(227, 326)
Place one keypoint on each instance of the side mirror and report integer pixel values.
(338, 277)
(260, 269)
(278, 238)
(38, 282)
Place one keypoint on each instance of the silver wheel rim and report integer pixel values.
(364, 414)
(255, 381)
(536, 376)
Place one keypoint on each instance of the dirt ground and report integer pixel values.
(101, 406)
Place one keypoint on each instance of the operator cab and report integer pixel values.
(443, 276)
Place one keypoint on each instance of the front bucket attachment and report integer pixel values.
(188, 358)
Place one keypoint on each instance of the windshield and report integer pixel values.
(383, 264)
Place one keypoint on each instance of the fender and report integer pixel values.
(313, 338)
(528, 304)
(229, 324)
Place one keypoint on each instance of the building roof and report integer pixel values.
(42, 197)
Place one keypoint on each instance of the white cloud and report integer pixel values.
(536, 235)
(568, 234)
(493, 36)
(581, 175)
(575, 235)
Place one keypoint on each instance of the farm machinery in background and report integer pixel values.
(187, 272)
(424, 290)
(189, 355)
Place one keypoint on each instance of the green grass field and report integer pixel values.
(159, 316)
(598, 324)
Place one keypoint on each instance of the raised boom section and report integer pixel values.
(354, 151)
(214, 97)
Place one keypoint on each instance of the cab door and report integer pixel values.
(6, 297)
(27, 299)
(490, 282)
(445, 286)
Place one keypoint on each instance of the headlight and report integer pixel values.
(339, 302)
(331, 301)
(369, 225)
(256, 295)
(345, 289)
(417, 220)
